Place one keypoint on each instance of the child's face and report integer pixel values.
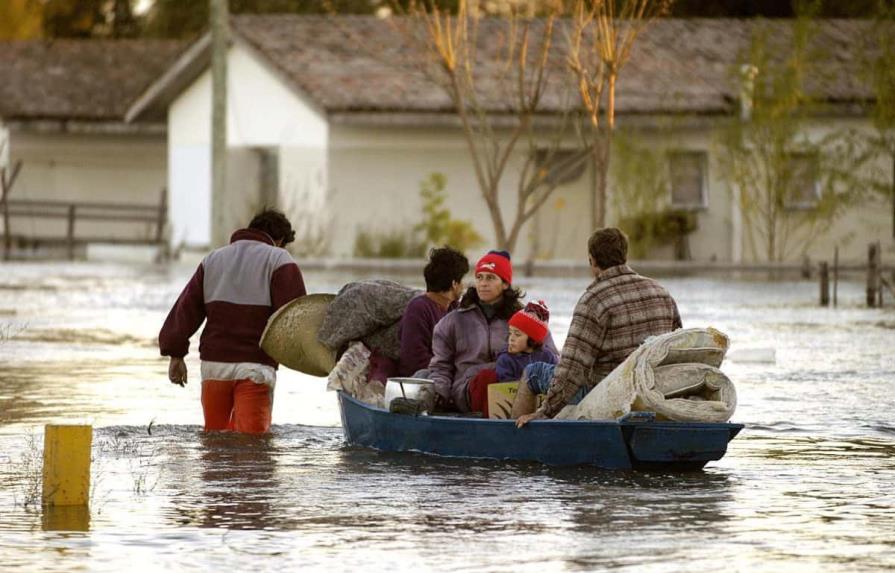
(517, 341)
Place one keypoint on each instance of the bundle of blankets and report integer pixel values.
(363, 317)
(675, 375)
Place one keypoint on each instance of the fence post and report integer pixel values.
(162, 217)
(824, 284)
(7, 243)
(66, 465)
(836, 276)
(5, 189)
(872, 274)
(161, 244)
(71, 232)
(806, 267)
(879, 275)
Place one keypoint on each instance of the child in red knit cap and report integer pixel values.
(525, 343)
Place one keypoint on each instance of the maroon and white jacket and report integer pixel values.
(236, 288)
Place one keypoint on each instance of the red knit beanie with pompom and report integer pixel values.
(532, 320)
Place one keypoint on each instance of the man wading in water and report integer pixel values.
(236, 289)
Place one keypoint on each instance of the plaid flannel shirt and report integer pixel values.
(617, 312)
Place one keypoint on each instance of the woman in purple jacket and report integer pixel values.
(467, 340)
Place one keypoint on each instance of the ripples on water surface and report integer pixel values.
(807, 486)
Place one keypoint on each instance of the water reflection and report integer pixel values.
(66, 518)
(805, 487)
(237, 482)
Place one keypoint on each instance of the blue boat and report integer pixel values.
(638, 442)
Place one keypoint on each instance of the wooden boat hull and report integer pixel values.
(605, 444)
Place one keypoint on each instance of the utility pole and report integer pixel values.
(220, 33)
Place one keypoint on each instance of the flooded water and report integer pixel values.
(807, 486)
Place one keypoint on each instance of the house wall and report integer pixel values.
(336, 180)
(375, 178)
(4, 145)
(375, 175)
(121, 169)
(263, 112)
(869, 221)
(714, 237)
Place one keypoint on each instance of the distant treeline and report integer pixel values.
(23, 19)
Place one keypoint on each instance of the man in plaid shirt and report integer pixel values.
(617, 312)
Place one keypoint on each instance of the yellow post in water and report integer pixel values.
(66, 475)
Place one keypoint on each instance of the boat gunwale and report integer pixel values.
(626, 423)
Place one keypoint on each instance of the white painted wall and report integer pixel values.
(4, 145)
(868, 222)
(304, 181)
(125, 169)
(4, 160)
(263, 110)
(375, 176)
(713, 240)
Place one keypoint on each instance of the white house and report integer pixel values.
(329, 120)
(62, 106)
(330, 113)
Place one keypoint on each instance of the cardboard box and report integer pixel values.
(500, 399)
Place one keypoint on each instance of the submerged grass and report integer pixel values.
(9, 330)
(27, 474)
(142, 460)
(138, 460)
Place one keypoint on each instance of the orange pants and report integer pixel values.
(240, 405)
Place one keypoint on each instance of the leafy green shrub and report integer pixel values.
(438, 227)
(649, 229)
(389, 245)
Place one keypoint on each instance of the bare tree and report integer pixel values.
(789, 186)
(496, 72)
(602, 35)
(879, 70)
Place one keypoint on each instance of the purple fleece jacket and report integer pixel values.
(415, 333)
(510, 366)
(465, 343)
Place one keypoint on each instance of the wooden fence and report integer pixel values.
(74, 212)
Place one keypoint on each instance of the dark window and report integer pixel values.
(800, 177)
(562, 166)
(688, 181)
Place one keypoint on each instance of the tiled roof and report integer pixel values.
(363, 64)
(89, 80)
(358, 63)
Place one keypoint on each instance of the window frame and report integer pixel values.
(539, 157)
(703, 203)
(800, 205)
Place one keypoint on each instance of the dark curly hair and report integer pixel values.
(510, 302)
(445, 266)
(275, 224)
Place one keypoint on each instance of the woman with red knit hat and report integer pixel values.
(466, 341)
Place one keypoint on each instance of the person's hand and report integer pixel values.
(442, 404)
(177, 371)
(526, 418)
